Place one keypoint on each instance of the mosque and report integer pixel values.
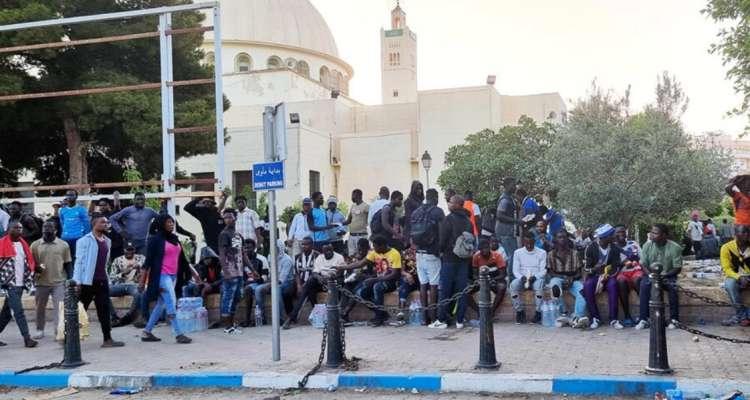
(283, 51)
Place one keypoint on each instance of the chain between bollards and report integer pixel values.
(334, 355)
(658, 360)
(72, 358)
(487, 359)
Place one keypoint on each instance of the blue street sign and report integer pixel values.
(268, 176)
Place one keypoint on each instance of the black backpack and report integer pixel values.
(376, 224)
(423, 228)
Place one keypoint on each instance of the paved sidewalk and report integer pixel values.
(524, 349)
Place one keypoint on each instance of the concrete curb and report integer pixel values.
(588, 385)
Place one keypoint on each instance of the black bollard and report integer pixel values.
(72, 358)
(658, 361)
(334, 355)
(487, 358)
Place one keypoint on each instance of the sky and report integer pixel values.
(537, 46)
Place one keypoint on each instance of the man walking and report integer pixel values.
(51, 254)
(90, 275)
(133, 222)
(454, 272)
(15, 255)
(506, 225)
(359, 214)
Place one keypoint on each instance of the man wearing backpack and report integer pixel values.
(457, 245)
(384, 222)
(425, 235)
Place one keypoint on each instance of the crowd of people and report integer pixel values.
(394, 244)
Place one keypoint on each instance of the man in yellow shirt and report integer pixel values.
(735, 261)
(386, 262)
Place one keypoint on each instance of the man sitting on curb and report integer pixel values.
(735, 261)
(492, 259)
(323, 267)
(529, 270)
(565, 271)
(123, 279)
(669, 254)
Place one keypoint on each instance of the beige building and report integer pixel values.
(283, 51)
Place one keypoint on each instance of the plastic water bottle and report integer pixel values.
(416, 313)
(674, 394)
(202, 316)
(547, 317)
(258, 316)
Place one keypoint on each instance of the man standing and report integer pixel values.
(298, 229)
(32, 226)
(384, 222)
(133, 222)
(425, 235)
(212, 223)
(695, 232)
(90, 275)
(248, 221)
(359, 213)
(506, 227)
(51, 254)
(104, 207)
(475, 213)
(383, 196)
(735, 262)
(669, 254)
(317, 222)
(123, 279)
(15, 256)
(454, 272)
(232, 258)
(335, 218)
(726, 231)
(529, 271)
(74, 221)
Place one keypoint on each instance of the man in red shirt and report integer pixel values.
(492, 259)
(741, 203)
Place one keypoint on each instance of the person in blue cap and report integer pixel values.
(602, 263)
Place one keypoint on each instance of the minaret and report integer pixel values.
(398, 54)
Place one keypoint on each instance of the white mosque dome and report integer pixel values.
(294, 23)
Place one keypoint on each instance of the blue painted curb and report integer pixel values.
(602, 385)
(421, 382)
(35, 380)
(209, 379)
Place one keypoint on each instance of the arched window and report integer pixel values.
(274, 62)
(303, 68)
(338, 80)
(325, 76)
(243, 63)
(398, 58)
(291, 63)
(209, 59)
(345, 86)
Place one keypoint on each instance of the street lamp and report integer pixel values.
(426, 164)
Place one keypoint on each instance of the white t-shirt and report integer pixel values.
(530, 263)
(20, 261)
(324, 266)
(695, 230)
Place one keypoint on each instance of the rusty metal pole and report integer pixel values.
(658, 361)
(487, 359)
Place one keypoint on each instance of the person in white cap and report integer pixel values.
(602, 263)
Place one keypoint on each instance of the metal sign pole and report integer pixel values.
(271, 154)
(219, 99)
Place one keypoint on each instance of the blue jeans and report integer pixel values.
(510, 245)
(231, 294)
(167, 300)
(732, 286)
(453, 279)
(13, 303)
(669, 285)
(122, 290)
(193, 290)
(376, 294)
(516, 287)
(260, 290)
(404, 288)
(575, 290)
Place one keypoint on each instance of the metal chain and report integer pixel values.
(395, 310)
(704, 299)
(302, 383)
(694, 331)
(350, 364)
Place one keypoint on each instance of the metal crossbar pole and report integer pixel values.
(106, 185)
(105, 39)
(167, 105)
(111, 89)
(127, 196)
(193, 129)
(108, 16)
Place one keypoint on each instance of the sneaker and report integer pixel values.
(229, 330)
(537, 318)
(438, 325)
(29, 342)
(400, 316)
(375, 322)
(520, 317)
(149, 337)
(182, 339)
(237, 330)
(594, 323)
(672, 324)
(628, 323)
(38, 335)
(581, 323)
(459, 325)
(642, 324)
(616, 324)
(563, 321)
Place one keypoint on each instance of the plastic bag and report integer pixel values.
(83, 323)
(318, 316)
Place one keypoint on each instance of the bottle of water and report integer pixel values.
(258, 316)
(547, 318)
(416, 313)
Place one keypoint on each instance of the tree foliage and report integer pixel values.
(733, 45)
(95, 137)
(488, 156)
(609, 165)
